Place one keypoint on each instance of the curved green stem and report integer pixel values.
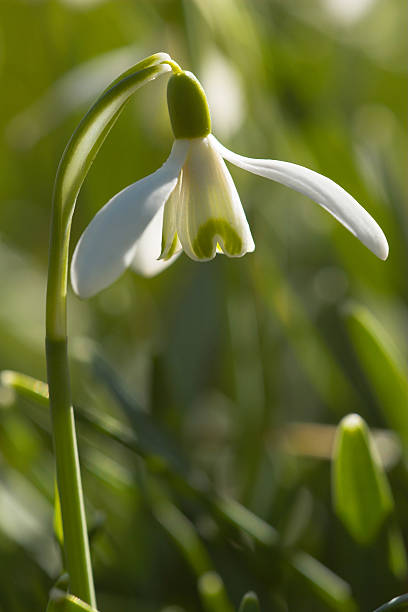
(73, 168)
(76, 546)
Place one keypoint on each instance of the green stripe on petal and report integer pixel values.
(171, 250)
(213, 231)
(170, 243)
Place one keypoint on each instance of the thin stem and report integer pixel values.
(76, 545)
(73, 168)
(75, 536)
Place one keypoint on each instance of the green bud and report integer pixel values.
(188, 106)
(361, 494)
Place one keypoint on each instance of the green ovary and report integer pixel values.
(203, 245)
(188, 106)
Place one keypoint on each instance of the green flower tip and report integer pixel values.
(361, 493)
(203, 244)
(352, 423)
(188, 106)
(249, 603)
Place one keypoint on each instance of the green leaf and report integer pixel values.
(239, 516)
(213, 596)
(329, 587)
(384, 367)
(183, 532)
(249, 603)
(26, 386)
(361, 494)
(398, 603)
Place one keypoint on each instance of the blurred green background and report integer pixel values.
(230, 376)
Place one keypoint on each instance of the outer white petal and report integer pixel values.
(209, 210)
(147, 249)
(106, 247)
(319, 188)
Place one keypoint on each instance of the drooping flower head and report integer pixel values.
(191, 203)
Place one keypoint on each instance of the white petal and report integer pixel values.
(209, 209)
(105, 249)
(322, 190)
(145, 256)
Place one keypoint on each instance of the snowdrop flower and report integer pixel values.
(191, 203)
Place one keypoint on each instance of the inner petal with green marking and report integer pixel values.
(209, 213)
(170, 242)
(217, 231)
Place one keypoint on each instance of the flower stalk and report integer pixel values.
(73, 168)
(76, 545)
